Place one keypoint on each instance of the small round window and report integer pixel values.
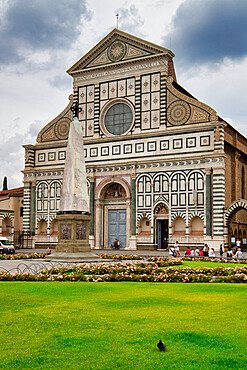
(118, 119)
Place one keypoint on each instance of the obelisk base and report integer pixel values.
(73, 238)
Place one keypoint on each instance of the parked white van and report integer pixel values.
(6, 247)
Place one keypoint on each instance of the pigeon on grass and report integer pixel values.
(161, 345)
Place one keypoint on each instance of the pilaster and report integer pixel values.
(218, 201)
(91, 200)
(133, 206)
(209, 209)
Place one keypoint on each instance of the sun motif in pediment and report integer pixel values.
(116, 51)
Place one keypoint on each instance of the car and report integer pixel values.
(6, 247)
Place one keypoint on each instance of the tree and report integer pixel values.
(5, 183)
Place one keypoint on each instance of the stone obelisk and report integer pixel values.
(74, 217)
(74, 193)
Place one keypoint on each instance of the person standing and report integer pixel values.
(238, 243)
(176, 249)
(205, 250)
(221, 250)
(116, 244)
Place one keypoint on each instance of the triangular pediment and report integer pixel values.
(117, 47)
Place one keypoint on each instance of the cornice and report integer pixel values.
(167, 131)
(123, 36)
(202, 162)
(51, 144)
(116, 66)
(28, 146)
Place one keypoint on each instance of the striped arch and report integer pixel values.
(196, 214)
(196, 171)
(178, 214)
(141, 215)
(44, 182)
(178, 173)
(52, 182)
(144, 175)
(116, 180)
(42, 217)
(9, 215)
(160, 201)
(52, 217)
(234, 208)
(161, 173)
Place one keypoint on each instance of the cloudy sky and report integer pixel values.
(40, 40)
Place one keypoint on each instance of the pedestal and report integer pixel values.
(132, 243)
(73, 238)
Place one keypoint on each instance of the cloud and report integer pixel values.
(34, 129)
(12, 160)
(226, 95)
(129, 19)
(39, 25)
(12, 153)
(207, 31)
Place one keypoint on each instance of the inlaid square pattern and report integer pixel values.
(205, 140)
(51, 156)
(164, 145)
(177, 144)
(127, 148)
(116, 149)
(61, 155)
(139, 147)
(41, 157)
(190, 142)
(105, 150)
(151, 146)
(93, 152)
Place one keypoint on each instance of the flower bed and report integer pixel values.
(160, 261)
(166, 261)
(120, 257)
(22, 256)
(139, 272)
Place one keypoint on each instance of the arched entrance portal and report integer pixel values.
(161, 219)
(113, 214)
(6, 227)
(236, 222)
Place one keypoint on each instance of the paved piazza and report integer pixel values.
(34, 266)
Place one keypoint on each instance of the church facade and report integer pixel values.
(161, 165)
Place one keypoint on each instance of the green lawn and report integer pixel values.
(78, 325)
(194, 264)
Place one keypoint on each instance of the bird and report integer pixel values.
(161, 345)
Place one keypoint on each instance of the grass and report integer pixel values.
(63, 325)
(194, 264)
